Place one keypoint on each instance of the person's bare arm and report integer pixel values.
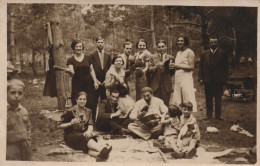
(190, 65)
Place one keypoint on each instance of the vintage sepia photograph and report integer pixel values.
(122, 82)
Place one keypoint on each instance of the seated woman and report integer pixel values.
(115, 80)
(78, 127)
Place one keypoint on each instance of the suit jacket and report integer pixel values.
(100, 73)
(105, 110)
(160, 75)
(214, 68)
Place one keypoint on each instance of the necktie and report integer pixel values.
(161, 55)
(101, 58)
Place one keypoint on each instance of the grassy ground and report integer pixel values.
(45, 135)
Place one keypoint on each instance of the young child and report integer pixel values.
(189, 135)
(78, 127)
(171, 130)
(18, 123)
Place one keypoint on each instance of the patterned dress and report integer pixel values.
(73, 135)
(141, 81)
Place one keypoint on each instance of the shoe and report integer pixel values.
(178, 155)
(191, 154)
(104, 153)
(219, 118)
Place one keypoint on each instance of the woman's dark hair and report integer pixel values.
(187, 105)
(185, 38)
(81, 93)
(116, 57)
(141, 40)
(174, 111)
(75, 42)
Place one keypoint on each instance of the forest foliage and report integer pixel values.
(236, 27)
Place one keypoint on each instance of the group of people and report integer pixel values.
(99, 75)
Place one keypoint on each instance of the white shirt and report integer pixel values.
(156, 107)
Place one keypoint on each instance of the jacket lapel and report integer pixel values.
(157, 58)
(207, 58)
(97, 59)
(105, 60)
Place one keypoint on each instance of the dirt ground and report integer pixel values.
(46, 137)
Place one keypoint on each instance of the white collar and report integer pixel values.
(214, 50)
(100, 50)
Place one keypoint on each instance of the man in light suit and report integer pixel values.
(101, 63)
(213, 73)
(160, 72)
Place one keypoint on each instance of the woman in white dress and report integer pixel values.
(184, 65)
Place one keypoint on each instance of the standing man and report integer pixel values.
(147, 114)
(161, 71)
(111, 117)
(213, 73)
(101, 63)
(128, 58)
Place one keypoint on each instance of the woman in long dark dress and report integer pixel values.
(80, 66)
(78, 127)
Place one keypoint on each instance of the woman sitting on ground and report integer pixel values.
(78, 127)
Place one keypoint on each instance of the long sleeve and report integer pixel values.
(103, 112)
(226, 65)
(134, 113)
(163, 108)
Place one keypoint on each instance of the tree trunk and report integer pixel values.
(33, 63)
(204, 29)
(152, 29)
(12, 49)
(63, 85)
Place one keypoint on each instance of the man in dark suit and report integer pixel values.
(213, 73)
(160, 72)
(109, 118)
(101, 63)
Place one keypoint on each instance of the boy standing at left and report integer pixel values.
(18, 123)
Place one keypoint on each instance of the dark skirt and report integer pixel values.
(50, 84)
(77, 141)
(141, 82)
(80, 83)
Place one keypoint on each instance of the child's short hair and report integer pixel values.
(174, 111)
(13, 82)
(187, 105)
